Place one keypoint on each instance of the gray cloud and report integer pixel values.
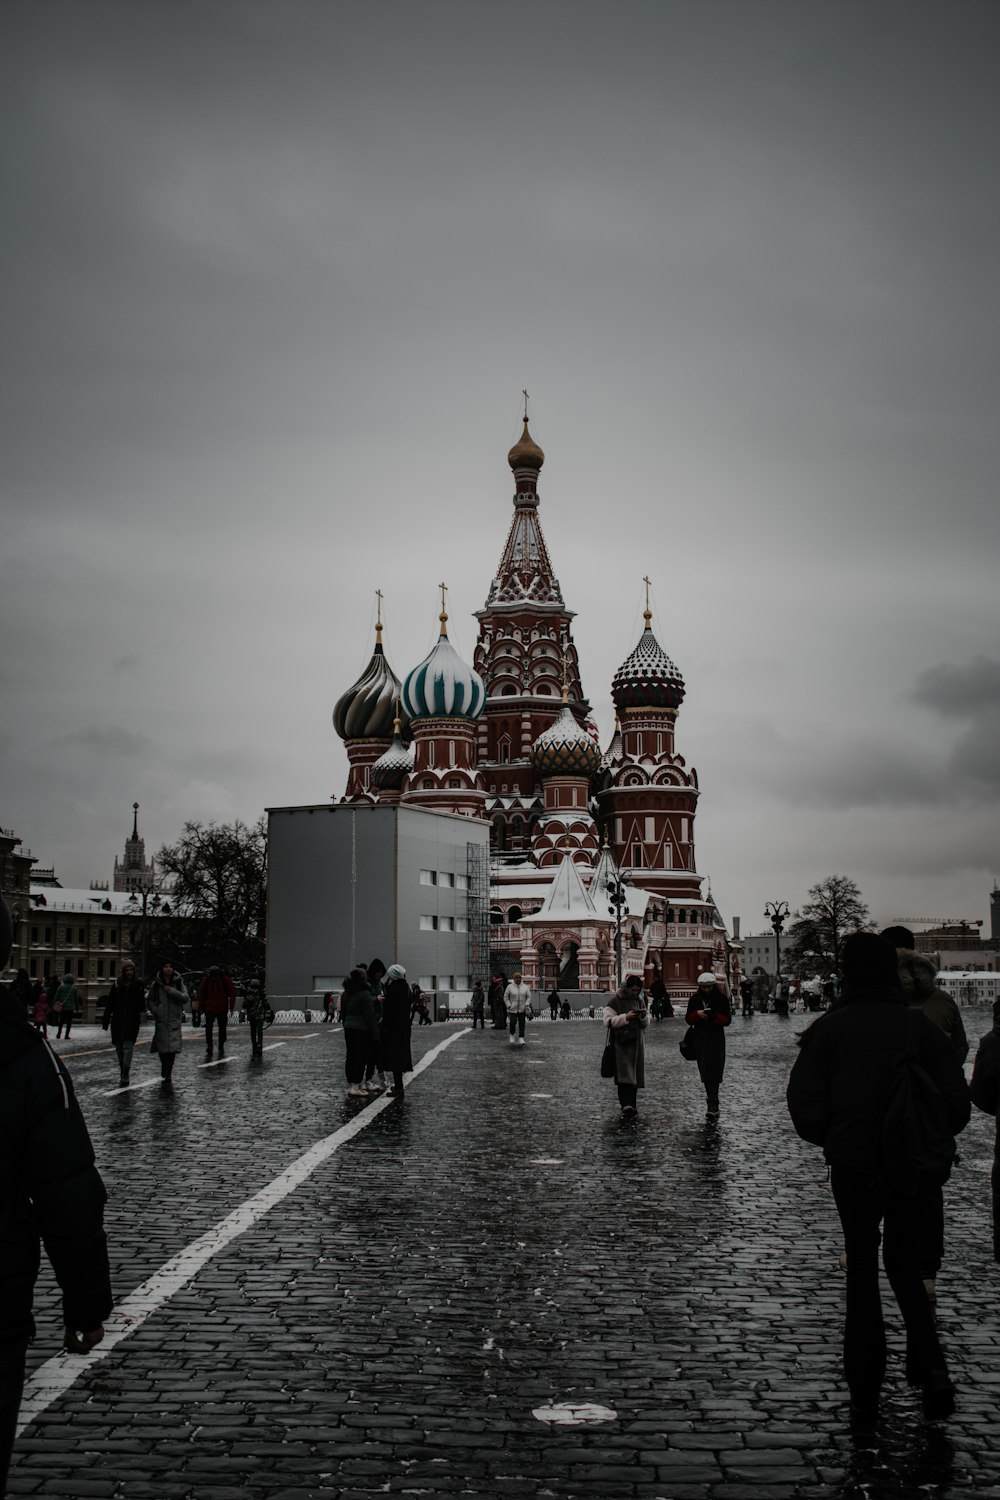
(110, 739)
(961, 692)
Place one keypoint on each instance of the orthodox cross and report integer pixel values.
(649, 583)
(443, 616)
(565, 667)
(378, 622)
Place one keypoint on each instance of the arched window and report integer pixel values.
(427, 784)
(513, 914)
(517, 831)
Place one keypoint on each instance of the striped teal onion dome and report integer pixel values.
(565, 749)
(647, 678)
(443, 686)
(366, 711)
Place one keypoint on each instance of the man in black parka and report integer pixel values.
(836, 1094)
(51, 1191)
(985, 1090)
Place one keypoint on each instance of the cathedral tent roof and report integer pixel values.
(567, 900)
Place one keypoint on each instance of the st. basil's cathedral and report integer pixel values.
(510, 740)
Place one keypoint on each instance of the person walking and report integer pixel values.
(478, 1006)
(51, 1194)
(660, 1006)
(357, 1013)
(216, 1001)
(67, 1003)
(554, 1003)
(256, 1006)
(496, 1003)
(396, 1027)
(165, 1000)
(123, 1013)
(837, 1097)
(375, 972)
(40, 1008)
(517, 998)
(985, 1090)
(709, 1012)
(627, 1016)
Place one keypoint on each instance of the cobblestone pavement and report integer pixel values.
(498, 1242)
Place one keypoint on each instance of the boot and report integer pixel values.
(222, 1049)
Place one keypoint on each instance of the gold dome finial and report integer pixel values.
(443, 616)
(525, 453)
(648, 613)
(378, 619)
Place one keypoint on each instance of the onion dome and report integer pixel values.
(388, 773)
(443, 686)
(526, 453)
(647, 678)
(565, 749)
(366, 710)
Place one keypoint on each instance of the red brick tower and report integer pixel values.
(524, 634)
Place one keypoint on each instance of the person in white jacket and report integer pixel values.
(517, 998)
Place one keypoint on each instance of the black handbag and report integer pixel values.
(686, 1046)
(608, 1058)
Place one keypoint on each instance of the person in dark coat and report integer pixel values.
(396, 1027)
(497, 1008)
(123, 1013)
(357, 1013)
(166, 999)
(66, 1004)
(627, 1016)
(478, 1006)
(554, 1004)
(709, 1012)
(836, 1096)
(985, 1089)
(375, 972)
(51, 1193)
(216, 1000)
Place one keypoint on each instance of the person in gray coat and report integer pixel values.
(166, 999)
(627, 1016)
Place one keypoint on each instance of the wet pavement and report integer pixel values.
(496, 1245)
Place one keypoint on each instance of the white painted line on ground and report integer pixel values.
(52, 1379)
(147, 1083)
(218, 1063)
(271, 1046)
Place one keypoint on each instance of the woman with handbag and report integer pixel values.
(626, 1015)
(709, 1012)
(123, 1013)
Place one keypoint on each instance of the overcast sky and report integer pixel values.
(275, 274)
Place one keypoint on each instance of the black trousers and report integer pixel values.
(517, 1021)
(11, 1390)
(167, 1060)
(628, 1093)
(478, 1019)
(210, 1018)
(257, 1033)
(862, 1209)
(358, 1052)
(65, 1019)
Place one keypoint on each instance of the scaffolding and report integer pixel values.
(478, 868)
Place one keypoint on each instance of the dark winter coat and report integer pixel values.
(840, 1079)
(357, 1007)
(67, 996)
(50, 1189)
(710, 1036)
(396, 1027)
(125, 1008)
(918, 978)
(21, 990)
(985, 1090)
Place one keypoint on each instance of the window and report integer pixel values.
(428, 981)
(112, 968)
(33, 968)
(446, 924)
(428, 877)
(513, 914)
(69, 934)
(461, 924)
(454, 783)
(637, 857)
(428, 924)
(34, 934)
(461, 982)
(461, 882)
(100, 936)
(82, 934)
(100, 968)
(48, 934)
(650, 830)
(684, 830)
(80, 968)
(444, 879)
(114, 936)
(427, 784)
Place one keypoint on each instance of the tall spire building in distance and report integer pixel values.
(134, 873)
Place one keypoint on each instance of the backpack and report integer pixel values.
(914, 1141)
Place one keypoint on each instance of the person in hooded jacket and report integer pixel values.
(217, 1001)
(166, 999)
(918, 981)
(361, 1035)
(836, 1095)
(709, 1012)
(67, 1003)
(985, 1090)
(396, 1027)
(123, 1013)
(51, 1193)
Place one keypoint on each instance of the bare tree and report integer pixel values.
(218, 875)
(834, 910)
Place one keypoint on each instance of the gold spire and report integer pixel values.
(378, 623)
(647, 613)
(443, 616)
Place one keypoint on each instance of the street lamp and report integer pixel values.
(144, 892)
(617, 908)
(776, 913)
